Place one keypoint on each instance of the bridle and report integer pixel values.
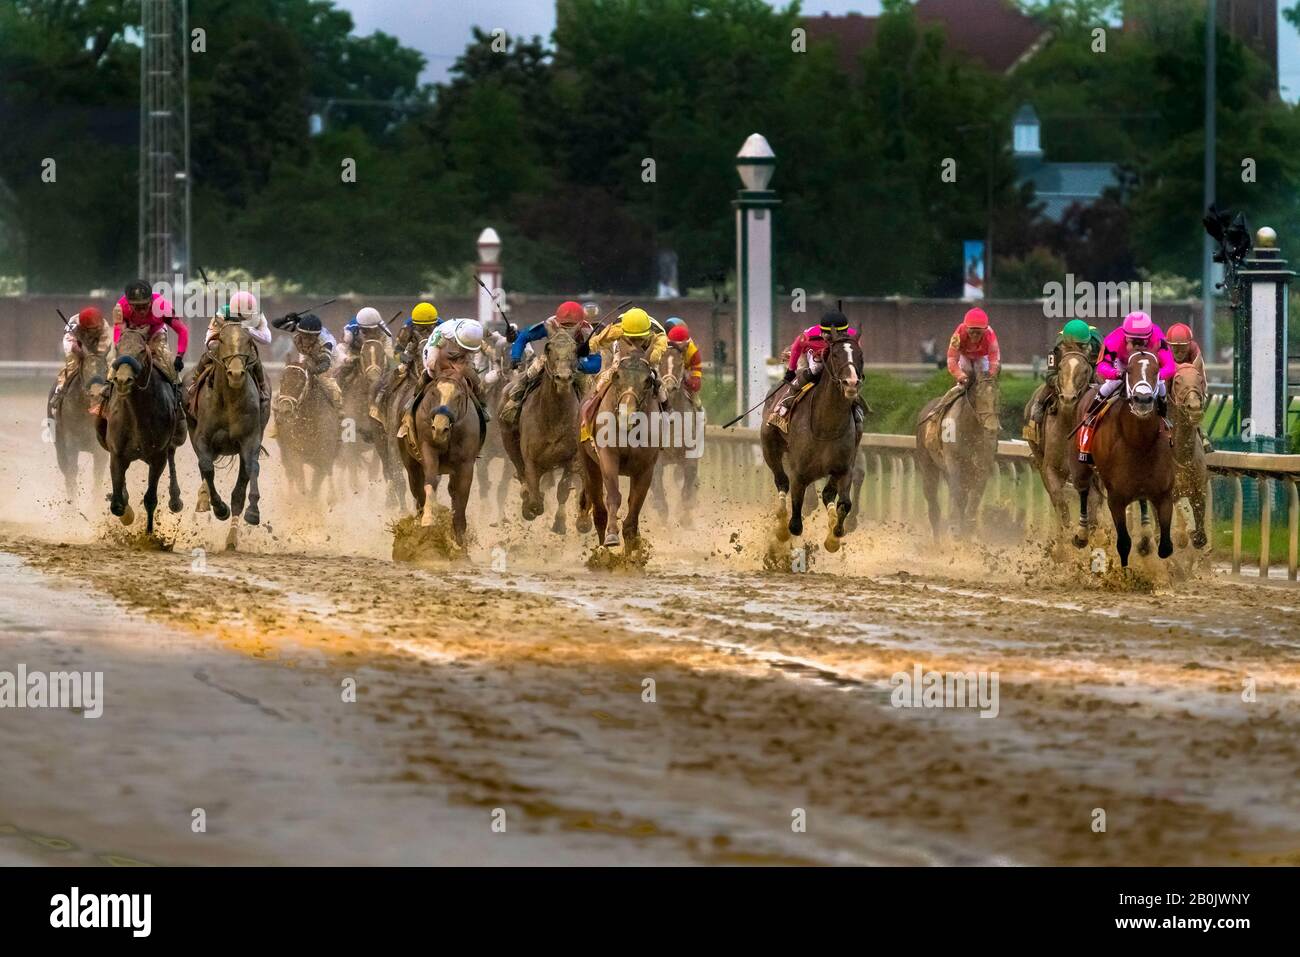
(136, 381)
(638, 395)
(1142, 392)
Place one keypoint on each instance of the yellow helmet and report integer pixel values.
(424, 314)
(635, 322)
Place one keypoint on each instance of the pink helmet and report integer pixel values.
(1138, 325)
(243, 304)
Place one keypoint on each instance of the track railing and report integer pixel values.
(732, 465)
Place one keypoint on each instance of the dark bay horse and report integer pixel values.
(1132, 455)
(144, 422)
(545, 435)
(960, 446)
(822, 442)
(307, 429)
(1190, 474)
(618, 446)
(229, 420)
(1055, 448)
(672, 374)
(74, 426)
(445, 441)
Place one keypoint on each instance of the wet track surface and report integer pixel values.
(514, 686)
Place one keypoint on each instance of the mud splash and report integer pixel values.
(417, 544)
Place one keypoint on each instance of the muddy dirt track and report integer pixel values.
(513, 688)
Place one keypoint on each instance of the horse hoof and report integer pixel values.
(611, 540)
(584, 524)
(1199, 539)
(832, 544)
(220, 510)
(1166, 549)
(1144, 547)
(232, 539)
(558, 528)
(203, 504)
(1080, 538)
(426, 521)
(128, 515)
(252, 516)
(795, 528)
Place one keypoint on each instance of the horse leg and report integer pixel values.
(834, 518)
(930, 486)
(635, 500)
(429, 459)
(1123, 543)
(208, 474)
(562, 489)
(174, 503)
(532, 496)
(1200, 537)
(117, 503)
(585, 500)
(1165, 516)
(1055, 486)
(613, 496)
(593, 492)
(797, 490)
(1144, 542)
(459, 483)
(251, 466)
(68, 460)
(857, 478)
(657, 486)
(240, 489)
(150, 500)
(690, 469)
(1080, 538)
(99, 464)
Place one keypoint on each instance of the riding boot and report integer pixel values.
(56, 400)
(408, 411)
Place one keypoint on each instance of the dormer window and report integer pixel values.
(1025, 136)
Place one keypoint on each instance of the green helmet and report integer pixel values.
(1076, 330)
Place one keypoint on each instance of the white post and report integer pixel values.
(488, 270)
(754, 326)
(1264, 391)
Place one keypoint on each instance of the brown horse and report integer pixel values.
(545, 434)
(143, 422)
(358, 381)
(229, 420)
(307, 429)
(672, 374)
(1190, 474)
(822, 442)
(386, 440)
(959, 445)
(1055, 449)
(1133, 457)
(446, 441)
(618, 447)
(74, 426)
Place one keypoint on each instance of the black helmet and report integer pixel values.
(310, 323)
(137, 290)
(834, 321)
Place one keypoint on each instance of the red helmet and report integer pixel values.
(90, 318)
(679, 333)
(570, 313)
(1179, 334)
(976, 318)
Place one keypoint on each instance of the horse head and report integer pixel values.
(560, 359)
(293, 389)
(844, 364)
(1072, 378)
(132, 360)
(1142, 382)
(634, 382)
(449, 390)
(671, 372)
(235, 353)
(983, 396)
(374, 358)
(1189, 393)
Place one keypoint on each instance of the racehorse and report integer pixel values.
(678, 401)
(445, 440)
(822, 442)
(616, 446)
(74, 426)
(358, 382)
(959, 444)
(386, 440)
(1132, 455)
(144, 422)
(545, 434)
(1190, 473)
(1055, 447)
(229, 420)
(493, 376)
(307, 428)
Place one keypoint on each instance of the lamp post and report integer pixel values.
(488, 270)
(755, 327)
(1261, 386)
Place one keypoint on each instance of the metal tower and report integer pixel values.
(164, 141)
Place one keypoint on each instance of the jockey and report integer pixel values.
(1077, 336)
(569, 317)
(1137, 333)
(366, 324)
(973, 347)
(634, 329)
(242, 308)
(807, 354)
(679, 339)
(141, 308)
(453, 342)
(316, 352)
(407, 344)
(1185, 350)
(85, 334)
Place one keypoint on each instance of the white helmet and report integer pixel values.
(243, 304)
(468, 334)
(369, 317)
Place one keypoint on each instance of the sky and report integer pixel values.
(440, 29)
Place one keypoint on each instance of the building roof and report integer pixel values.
(1060, 185)
(991, 32)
